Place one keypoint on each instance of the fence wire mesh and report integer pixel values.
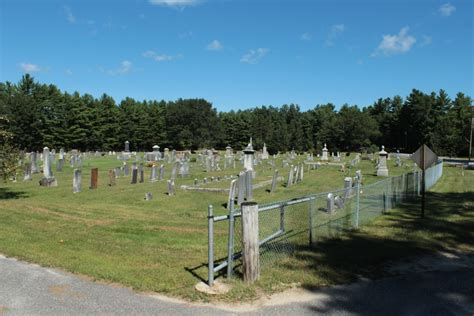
(287, 226)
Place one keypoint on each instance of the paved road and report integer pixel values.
(30, 289)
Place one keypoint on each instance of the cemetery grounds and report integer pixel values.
(112, 234)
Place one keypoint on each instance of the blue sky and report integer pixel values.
(241, 54)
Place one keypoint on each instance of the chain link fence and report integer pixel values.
(288, 225)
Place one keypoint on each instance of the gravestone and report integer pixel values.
(48, 180)
(134, 175)
(141, 173)
(112, 181)
(232, 191)
(382, 170)
(127, 146)
(94, 178)
(274, 180)
(153, 174)
(339, 201)
(301, 173)
(173, 170)
(156, 151)
(170, 187)
(126, 169)
(34, 162)
(148, 196)
(290, 177)
(264, 152)
(330, 203)
(60, 164)
(77, 181)
(27, 172)
(118, 172)
(162, 172)
(347, 187)
(324, 156)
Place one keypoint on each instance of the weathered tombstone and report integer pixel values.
(118, 172)
(324, 156)
(34, 162)
(142, 173)
(204, 180)
(170, 187)
(301, 173)
(162, 172)
(126, 170)
(339, 201)
(274, 180)
(195, 181)
(48, 180)
(153, 174)
(264, 152)
(156, 151)
(94, 178)
(330, 203)
(60, 164)
(77, 181)
(173, 170)
(347, 187)
(127, 146)
(382, 170)
(27, 172)
(290, 177)
(112, 177)
(134, 175)
(148, 196)
(231, 198)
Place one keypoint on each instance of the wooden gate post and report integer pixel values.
(250, 240)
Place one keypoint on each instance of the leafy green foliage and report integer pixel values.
(41, 115)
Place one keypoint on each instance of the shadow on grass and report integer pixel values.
(6, 194)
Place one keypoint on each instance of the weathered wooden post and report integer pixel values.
(251, 251)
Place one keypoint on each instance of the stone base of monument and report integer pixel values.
(382, 172)
(48, 182)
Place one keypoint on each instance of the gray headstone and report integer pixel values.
(77, 181)
(153, 174)
(347, 187)
(339, 201)
(274, 180)
(170, 187)
(27, 172)
(162, 172)
(134, 176)
(330, 203)
(148, 196)
(141, 173)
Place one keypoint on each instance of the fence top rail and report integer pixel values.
(309, 197)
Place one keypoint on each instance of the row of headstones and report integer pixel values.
(77, 180)
(295, 175)
(206, 180)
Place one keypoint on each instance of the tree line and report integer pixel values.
(39, 115)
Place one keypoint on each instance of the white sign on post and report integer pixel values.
(424, 157)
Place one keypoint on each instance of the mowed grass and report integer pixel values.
(113, 234)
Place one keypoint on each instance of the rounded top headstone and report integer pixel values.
(156, 147)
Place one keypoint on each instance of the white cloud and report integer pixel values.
(160, 57)
(69, 16)
(447, 9)
(174, 3)
(306, 37)
(395, 44)
(125, 68)
(334, 32)
(29, 68)
(254, 56)
(215, 45)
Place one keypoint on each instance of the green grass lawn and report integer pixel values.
(113, 234)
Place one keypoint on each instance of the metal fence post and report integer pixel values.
(311, 211)
(357, 204)
(210, 246)
(230, 243)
